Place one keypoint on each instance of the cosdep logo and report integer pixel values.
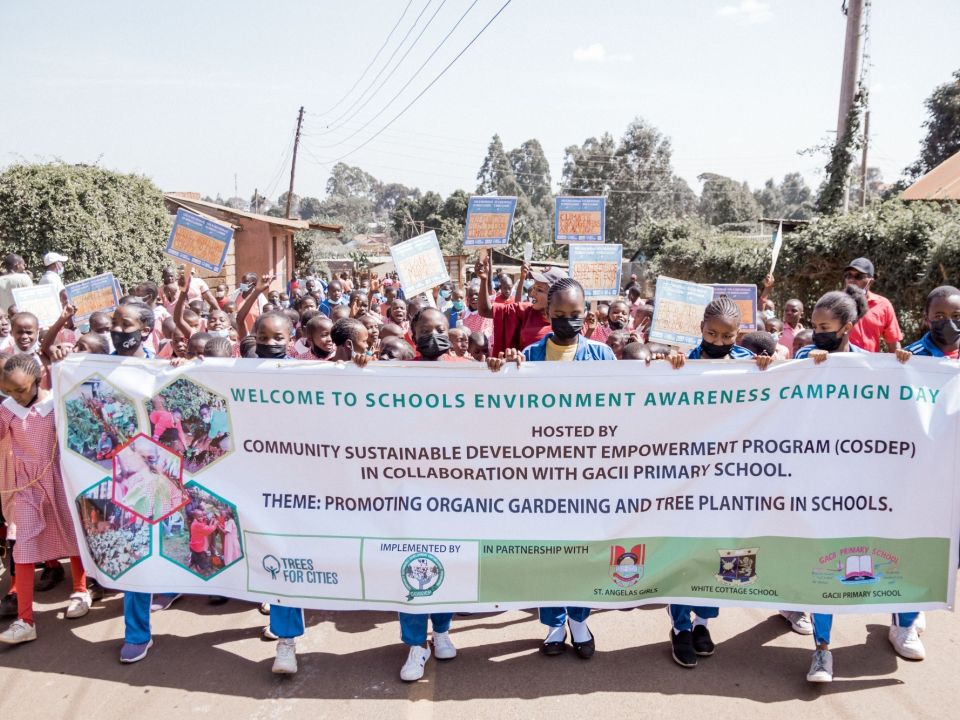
(271, 565)
(422, 575)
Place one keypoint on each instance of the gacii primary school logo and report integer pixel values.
(422, 575)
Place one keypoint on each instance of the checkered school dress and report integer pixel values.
(39, 507)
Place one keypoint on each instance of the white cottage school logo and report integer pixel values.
(422, 575)
(738, 567)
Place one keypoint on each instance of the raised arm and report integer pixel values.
(518, 290)
(482, 271)
(50, 336)
(184, 283)
(263, 284)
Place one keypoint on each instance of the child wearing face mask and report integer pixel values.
(942, 315)
(40, 509)
(317, 338)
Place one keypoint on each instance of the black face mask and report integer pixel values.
(945, 331)
(126, 343)
(433, 345)
(566, 328)
(617, 324)
(271, 352)
(714, 351)
(828, 341)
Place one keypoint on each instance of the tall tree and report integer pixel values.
(943, 128)
(724, 200)
(495, 174)
(792, 198)
(532, 172)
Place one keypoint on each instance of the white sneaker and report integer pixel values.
(821, 668)
(920, 623)
(799, 622)
(443, 648)
(412, 669)
(79, 605)
(906, 642)
(18, 632)
(286, 660)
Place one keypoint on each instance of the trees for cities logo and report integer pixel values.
(626, 568)
(422, 575)
(738, 567)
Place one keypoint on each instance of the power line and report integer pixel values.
(385, 65)
(430, 84)
(407, 84)
(367, 68)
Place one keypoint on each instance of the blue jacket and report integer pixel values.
(925, 346)
(804, 352)
(586, 350)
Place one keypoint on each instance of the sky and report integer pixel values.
(204, 96)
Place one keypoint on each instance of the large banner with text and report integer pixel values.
(447, 487)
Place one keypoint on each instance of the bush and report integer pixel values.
(102, 220)
(914, 246)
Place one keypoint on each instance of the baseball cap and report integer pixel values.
(861, 265)
(51, 257)
(549, 276)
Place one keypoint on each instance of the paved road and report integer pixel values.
(209, 662)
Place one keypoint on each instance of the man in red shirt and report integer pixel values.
(880, 320)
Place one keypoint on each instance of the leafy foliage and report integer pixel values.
(943, 128)
(100, 219)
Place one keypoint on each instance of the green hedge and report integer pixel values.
(914, 246)
(102, 220)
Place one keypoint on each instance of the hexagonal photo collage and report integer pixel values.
(189, 430)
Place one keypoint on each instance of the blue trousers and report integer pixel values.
(413, 627)
(557, 616)
(681, 615)
(286, 622)
(136, 617)
(823, 624)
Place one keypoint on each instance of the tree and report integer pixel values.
(259, 203)
(348, 181)
(282, 204)
(101, 220)
(237, 203)
(791, 199)
(495, 174)
(833, 191)
(943, 128)
(726, 201)
(310, 207)
(875, 185)
(532, 172)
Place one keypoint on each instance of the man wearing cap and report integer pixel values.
(54, 264)
(14, 276)
(880, 320)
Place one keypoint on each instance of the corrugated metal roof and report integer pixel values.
(941, 183)
(229, 214)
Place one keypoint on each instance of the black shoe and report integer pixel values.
(555, 648)
(683, 653)
(8, 606)
(95, 589)
(702, 644)
(586, 649)
(218, 600)
(50, 578)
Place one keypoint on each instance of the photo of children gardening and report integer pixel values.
(117, 538)
(192, 421)
(99, 421)
(203, 536)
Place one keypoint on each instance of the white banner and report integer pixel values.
(444, 486)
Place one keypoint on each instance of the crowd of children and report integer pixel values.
(542, 316)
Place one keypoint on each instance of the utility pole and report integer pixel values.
(863, 159)
(293, 164)
(848, 77)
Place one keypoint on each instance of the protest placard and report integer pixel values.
(489, 221)
(580, 219)
(95, 294)
(597, 268)
(745, 296)
(419, 263)
(42, 300)
(690, 506)
(199, 241)
(678, 312)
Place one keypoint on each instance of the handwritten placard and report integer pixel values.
(489, 221)
(745, 296)
(678, 312)
(42, 300)
(199, 241)
(580, 219)
(95, 294)
(419, 264)
(597, 268)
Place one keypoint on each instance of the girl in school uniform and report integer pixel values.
(566, 310)
(40, 508)
(689, 636)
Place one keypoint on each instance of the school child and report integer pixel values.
(350, 338)
(200, 532)
(372, 324)
(6, 339)
(471, 318)
(478, 346)
(566, 309)
(131, 323)
(689, 636)
(774, 326)
(942, 315)
(318, 343)
(834, 316)
(617, 341)
(394, 348)
(593, 329)
(760, 342)
(459, 342)
(40, 507)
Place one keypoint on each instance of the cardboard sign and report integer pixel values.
(95, 294)
(745, 296)
(42, 300)
(419, 264)
(678, 312)
(199, 241)
(580, 219)
(489, 221)
(597, 268)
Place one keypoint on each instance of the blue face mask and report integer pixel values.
(244, 287)
(445, 294)
(458, 306)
